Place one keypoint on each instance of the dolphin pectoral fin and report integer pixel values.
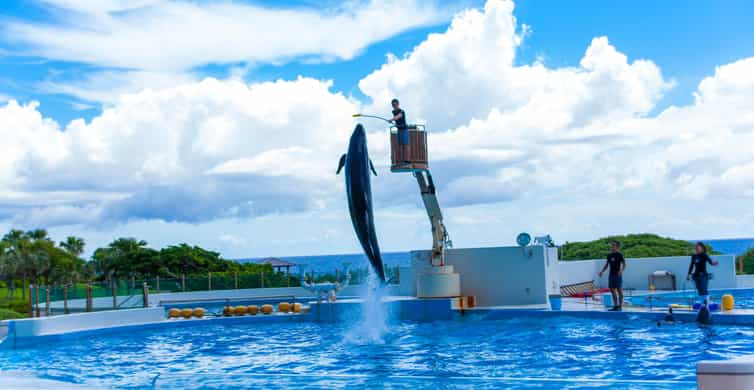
(371, 166)
(341, 164)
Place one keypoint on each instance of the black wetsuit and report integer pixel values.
(700, 274)
(400, 123)
(615, 261)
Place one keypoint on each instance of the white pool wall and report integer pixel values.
(156, 299)
(733, 374)
(44, 326)
(638, 270)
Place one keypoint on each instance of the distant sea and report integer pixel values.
(329, 263)
(731, 246)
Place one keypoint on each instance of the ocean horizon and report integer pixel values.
(355, 261)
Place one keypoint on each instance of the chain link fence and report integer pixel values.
(126, 293)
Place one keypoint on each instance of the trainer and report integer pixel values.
(399, 119)
(617, 265)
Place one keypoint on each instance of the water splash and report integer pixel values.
(372, 326)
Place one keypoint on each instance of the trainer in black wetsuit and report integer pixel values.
(617, 265)
(404, 139)
(698, 269)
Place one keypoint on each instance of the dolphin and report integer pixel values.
(359, 194)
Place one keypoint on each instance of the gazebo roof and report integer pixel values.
(275, 262)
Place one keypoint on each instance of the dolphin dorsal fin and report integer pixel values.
(341, 164)
(371, 166)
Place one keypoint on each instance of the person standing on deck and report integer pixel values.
(698, 265)
(617, 265)
(404, 141)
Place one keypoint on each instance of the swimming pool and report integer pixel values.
(744, 298)
(542, 352)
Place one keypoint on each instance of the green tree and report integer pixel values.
(73, 245)
(632, 245)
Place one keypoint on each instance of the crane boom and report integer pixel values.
(440, 238)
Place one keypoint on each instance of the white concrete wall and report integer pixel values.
(745, 281)
(500, 276)
(155, 299)
(638, 270)
(42, 326)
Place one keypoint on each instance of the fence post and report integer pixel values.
(235, 280)
(209, 281)
(261, 278)
(31, 300)
(47, 301)
(65, 298)
(89, 305)
(158, 284)
(145, 294)
(115, 294)
(37, 289)
(183, 282)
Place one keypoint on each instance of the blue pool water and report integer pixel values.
(520, 353)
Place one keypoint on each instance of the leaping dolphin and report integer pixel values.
(359, 193)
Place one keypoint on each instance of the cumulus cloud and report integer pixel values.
(577, 142)
(190, 153)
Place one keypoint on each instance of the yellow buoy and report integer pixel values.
(728, 302)
(297, 307)
(267, 309)
(253, 309)
(241, 310)
(284, 307)
(228, 310)
(174, 313)
(199, 312)
(187, 313)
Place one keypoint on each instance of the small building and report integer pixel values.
(278, 264)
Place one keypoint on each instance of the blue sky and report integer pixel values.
(213, 122)
(687, 40)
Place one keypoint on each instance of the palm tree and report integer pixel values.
(74, 245)
(18, 248)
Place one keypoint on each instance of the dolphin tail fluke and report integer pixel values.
(371, 166)
(341, 164)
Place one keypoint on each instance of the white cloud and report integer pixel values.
(108, 86)
(578, 150)
(192, 152)
(161, 35)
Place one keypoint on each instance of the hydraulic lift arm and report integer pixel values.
(440, 238)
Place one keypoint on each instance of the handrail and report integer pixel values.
(412, 127)
(126, 300)
(226, 299)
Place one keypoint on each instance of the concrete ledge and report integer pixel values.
(734, 374)
(30, 327)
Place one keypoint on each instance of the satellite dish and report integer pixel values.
(523, 239)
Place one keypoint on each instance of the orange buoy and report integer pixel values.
(199, 312)
(253, 309)
(267, 309)
(174, 313)
(228, 310)
(240, 310)
(187, 313)
(297, 307)
(284, 307)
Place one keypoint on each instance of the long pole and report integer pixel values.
(65, 299)
(31, 300)
(38, 314)
(47, 301)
